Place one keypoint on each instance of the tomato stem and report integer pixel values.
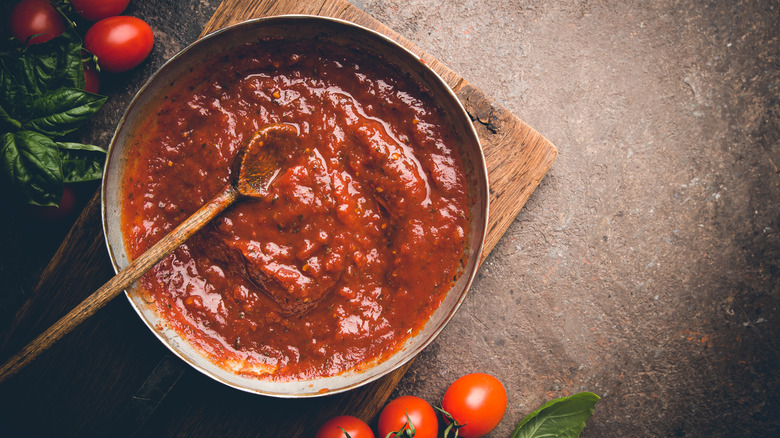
(406, 431)
(449, 428)
(453, 423)
(97, 64)
(59, 6)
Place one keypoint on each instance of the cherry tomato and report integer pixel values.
(422, 416)
(339, 427)
(91, 79)
(120, 43)
(35, 17)
(94, 10)
(477, 402)
(54, 214)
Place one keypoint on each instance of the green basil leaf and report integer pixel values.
(29, 72)
(53, 64)
(563, 417)
(81, 162)
(31, 164)
(14, 98)
(80, 147)
(8, 123)
(62, 111)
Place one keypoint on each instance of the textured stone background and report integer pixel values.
(645, 266)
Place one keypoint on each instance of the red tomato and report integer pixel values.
(421, 414)
(91, 79)
(94, 10)
(120, 43)
(339, 427)
(35, 17)
(477, 402)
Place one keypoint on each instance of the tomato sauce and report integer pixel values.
(354, 246)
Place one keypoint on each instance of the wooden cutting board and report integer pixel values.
(100, 381)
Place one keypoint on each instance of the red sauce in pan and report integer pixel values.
(358, 239)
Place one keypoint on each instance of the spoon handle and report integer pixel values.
(120, 281)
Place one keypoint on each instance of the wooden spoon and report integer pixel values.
(256, 167)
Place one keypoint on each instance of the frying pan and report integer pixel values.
(325, 31)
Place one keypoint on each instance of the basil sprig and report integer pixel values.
(42, 99)
(563, 417)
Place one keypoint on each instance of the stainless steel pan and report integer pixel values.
(326, 31)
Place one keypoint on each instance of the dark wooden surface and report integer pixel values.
(88, 384)
(118, 283)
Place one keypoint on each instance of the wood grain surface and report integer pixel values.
(93, 374)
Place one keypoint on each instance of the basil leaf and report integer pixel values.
(28, 73)
(80, 147)
(42, 97)
(52, 65)
(13, 97)
(81, 162)
(62, 111)
(563, 417)
(63, 67)
(31, 164)
(8, 123)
